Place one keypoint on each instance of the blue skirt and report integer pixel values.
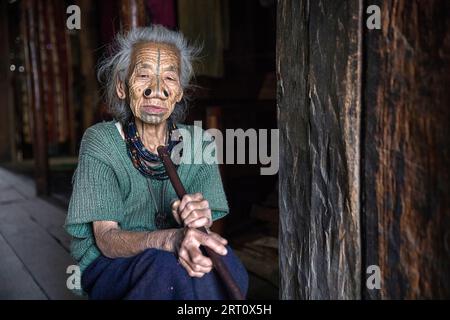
(156, 275)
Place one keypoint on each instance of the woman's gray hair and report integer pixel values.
(115, 66)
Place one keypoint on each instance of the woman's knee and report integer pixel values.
(164, 263)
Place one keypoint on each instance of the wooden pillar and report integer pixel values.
(318, 68)
(63, 75)
(7, 129)
(407, 150)
(132, 14)
(69, 91)
(40, 153)
(87, 47)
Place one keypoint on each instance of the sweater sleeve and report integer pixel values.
(210, 185)
(96, 196)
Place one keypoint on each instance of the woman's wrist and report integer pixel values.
(174, 240)
(166, 240)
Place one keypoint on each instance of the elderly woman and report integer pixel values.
(131, 236)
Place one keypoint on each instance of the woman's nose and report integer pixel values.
(156, 90)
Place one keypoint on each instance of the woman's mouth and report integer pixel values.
(152, 109)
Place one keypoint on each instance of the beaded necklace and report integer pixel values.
(146, 162)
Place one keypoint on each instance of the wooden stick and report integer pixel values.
(222, 270)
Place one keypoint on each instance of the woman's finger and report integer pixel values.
(189, 270)
(200, 222)
(194, 237)
(193, 206)
(189, 198)
(175, 213)
(197, 258)
(198, 214)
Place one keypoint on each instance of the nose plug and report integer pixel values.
(148, 92)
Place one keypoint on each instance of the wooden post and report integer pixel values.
(40, 136)
(318, 68)
(7, 128)
(407, 150)
(87, 47)
(71, 117)
(64, 113)
(132, 14)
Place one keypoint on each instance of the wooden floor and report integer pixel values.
(34, 248)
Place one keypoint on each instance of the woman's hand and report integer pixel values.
(192, 211)
(190, 255)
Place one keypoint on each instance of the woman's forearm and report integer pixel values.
(115, 243)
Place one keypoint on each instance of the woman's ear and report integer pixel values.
(120, 89)
(180, 96)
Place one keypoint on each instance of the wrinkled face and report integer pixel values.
(153, 82)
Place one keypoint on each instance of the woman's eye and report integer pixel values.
(143, 76)
(170, 77)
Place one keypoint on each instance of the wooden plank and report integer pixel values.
(88, 43)
(50, 218)
(318, 70)
(18, 189)
(407, 150)
(7, 128)
(8, 194)
(46, 260)
(22, 184)
(16, 281)
(40, 152)
(132, 14)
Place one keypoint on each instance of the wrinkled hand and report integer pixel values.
(190, 255)
(192, 211)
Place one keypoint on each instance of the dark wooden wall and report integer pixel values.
(364, 142)
(407, 149)
(7, 145)
(31, 9)
(318, 69)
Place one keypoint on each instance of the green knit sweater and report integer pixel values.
(106, 186)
